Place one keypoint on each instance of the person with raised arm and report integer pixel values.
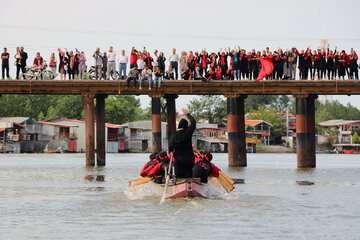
(181, 144)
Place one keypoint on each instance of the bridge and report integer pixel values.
(305, 92)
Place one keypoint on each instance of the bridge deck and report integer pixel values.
(183, 87)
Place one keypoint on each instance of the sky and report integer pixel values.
(45, 25)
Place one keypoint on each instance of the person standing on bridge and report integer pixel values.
(181, 144)
(98, 63)
(174, 60)
(22, 63)
(123, 61)
(111, 65)
(5, 63)
(82, 65)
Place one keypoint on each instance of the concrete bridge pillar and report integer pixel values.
(305, 131)
(236, 131)
(89, 129)
(100, 129)
(156, 123)
(171, 115)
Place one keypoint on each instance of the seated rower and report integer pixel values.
(149, 165)
(158, 171)
(203, 168)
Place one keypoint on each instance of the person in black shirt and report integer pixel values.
(22, 60)
(5, 63)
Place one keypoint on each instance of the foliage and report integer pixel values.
(255, 102)
(355, 138)
(271, 117)
(122, 109)
(211, 108)
(119, 109)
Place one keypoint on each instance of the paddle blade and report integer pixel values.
(225, 183)
(138, 182)
(227, 177)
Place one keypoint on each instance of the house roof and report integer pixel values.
(254, 123)
(338, 122)
(53, 124)
(108, 125)
(141, 125)
(19, 120)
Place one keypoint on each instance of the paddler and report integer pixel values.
(181, 144)
(158, 171)
(203, 168)
(149, 165)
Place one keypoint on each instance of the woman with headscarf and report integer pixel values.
(181, 144)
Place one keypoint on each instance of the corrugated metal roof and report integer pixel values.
(256, 122)
(337, 122)
(19, 120)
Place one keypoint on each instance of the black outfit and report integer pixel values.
(322, 66)
(202, 169)
(5, 65)
(74, 71)
(181, 144)
(63, 61)
(244, 66)
(21, 66)
(354, 68)
(161, 63)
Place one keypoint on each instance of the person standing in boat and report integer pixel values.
(203, 168)
(181, 144)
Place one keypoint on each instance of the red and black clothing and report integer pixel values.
(204, 61)
(353, 58)
(222, 62)
(148, 166)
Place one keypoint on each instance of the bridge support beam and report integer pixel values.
(100, 130)
(156, 124)
(89, 129)
(171, 115)
(305, 131)
(236, 131)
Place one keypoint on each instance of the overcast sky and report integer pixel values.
(45, 25)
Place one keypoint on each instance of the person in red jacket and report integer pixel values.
(158, 171)
(149, 165)
(203, 168)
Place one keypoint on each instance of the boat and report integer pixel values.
(185, 187)
(58, 150)
(351, 151)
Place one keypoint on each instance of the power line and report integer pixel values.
(167, 35)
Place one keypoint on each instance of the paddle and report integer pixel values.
(138, 182)
(167, 179)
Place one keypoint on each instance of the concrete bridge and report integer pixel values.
(305, 92)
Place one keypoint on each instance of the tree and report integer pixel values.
(41, 117)
(211, 108)
(148, 112)
(122, 109)
(51, 113)
(355, 138)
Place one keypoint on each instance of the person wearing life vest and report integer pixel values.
(203, 168)
(181, 144)
(158, 171)
(149, 165)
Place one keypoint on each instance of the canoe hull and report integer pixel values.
(188, 189)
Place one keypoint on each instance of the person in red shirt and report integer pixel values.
(38, 61)
(149, 165)
(133, 57)
(158, 171)
(218, 72)
(203, 167)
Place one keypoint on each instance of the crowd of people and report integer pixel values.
(226, 64)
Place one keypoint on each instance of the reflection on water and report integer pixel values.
(56, 197)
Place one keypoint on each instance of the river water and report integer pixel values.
(56, 197)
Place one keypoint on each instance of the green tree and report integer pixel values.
(211, 108)
(51, 113)
(355, 138)
(122, 109)
(41, 117)
(148, 112)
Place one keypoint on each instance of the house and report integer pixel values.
(208, 136)
(114, 135)
(139, 135)
(344, 129)
(10, 135)
(28, 134)
(260, 127)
